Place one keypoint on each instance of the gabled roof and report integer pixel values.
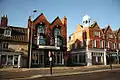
(106, 28)
(17, 34)
(41, 15)
(116, 31)
(95, 25)
(57, 18)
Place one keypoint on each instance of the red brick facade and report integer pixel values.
(49, 28)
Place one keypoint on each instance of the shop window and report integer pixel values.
(99, 59)
(41, 59)
(3, 59)
(10, 60)
(15, 59)
(35, 58)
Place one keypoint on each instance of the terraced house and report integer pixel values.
(46, 38)
(91, 45)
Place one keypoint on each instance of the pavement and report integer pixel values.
(32, 73)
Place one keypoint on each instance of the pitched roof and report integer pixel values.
(17, 34)
(57, 18)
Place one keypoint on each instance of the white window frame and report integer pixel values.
(7, 32)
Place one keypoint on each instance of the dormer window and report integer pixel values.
(7, 32)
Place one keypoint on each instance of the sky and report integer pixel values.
(103, 11)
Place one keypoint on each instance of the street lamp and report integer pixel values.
(30, 40)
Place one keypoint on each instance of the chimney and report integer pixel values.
(64, 21)
(4, 21)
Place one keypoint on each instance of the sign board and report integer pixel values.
(50, 58)
(49, 47)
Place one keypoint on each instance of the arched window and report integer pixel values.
(40, 29)
(56, 32)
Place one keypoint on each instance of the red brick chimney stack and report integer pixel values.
(4, 21)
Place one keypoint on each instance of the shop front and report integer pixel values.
(40, 57)
(10, 59)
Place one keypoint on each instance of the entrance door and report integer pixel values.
(15, 60)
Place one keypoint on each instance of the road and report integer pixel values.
(108, 75)
(24, 74)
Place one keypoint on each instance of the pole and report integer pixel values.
(110, 61)
(50, 59)
(31, 35)
(30, 45)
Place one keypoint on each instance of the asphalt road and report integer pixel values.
(108, 75)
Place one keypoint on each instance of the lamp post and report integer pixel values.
(30, 40)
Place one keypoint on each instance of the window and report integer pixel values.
(5, 45)
(40, 40)
(101, 44)
(99, 59)
(108, 44)
(10, 59)
(41, 29)
(112, 45)
(56, 32)
(119, 45)
(79, 34)
(76, 45)
(94, 43)
(7, 32)
(58, 41)
(70, 46)
(96, 33)
(35, 58)
(110, 36)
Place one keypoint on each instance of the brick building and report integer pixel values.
(91, 45)
(48, 38)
